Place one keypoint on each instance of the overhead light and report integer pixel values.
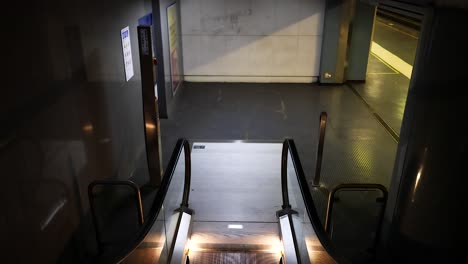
(235, 226)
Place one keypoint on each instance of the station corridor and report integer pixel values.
(253, 131)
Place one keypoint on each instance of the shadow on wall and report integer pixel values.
(69, 118)
(252, 38)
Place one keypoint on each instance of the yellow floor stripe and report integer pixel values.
(391, 59)
(386, 64)
(382, 73)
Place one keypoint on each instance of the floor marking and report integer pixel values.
(383, 73)
(390, 58)
(398, 30)
(386, 64)
(283, 110)
(386, 126)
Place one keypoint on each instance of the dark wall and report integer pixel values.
(68, 117)
(426, 213)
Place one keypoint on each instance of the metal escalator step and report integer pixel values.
(233, 257)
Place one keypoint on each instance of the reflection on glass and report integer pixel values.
(355, 221)
(173, 200)
(310, 248)
(155, 246)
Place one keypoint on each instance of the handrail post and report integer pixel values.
(93, 216)
(139, 204)
(356, 187)
(318, 162)
(156, 207)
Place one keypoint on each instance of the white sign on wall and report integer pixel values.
(127, 52)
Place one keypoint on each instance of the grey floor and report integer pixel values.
(357, 147)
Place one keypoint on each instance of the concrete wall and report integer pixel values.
(68, 117)
(252, 40)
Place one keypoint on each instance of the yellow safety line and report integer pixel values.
(386, 73)
(386, 64)
(396, 29)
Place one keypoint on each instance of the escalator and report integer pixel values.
(170, 234)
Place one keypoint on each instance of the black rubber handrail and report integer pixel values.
(284, 175)
(290, 147)
(182, 144)
(107, 183)
(188, 174)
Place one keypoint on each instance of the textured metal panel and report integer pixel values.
(233, 258)
(236, 182)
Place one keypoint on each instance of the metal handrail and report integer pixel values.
(318, 161)
(182, 144)
(356, 187)
(290, 148)
(107, 183)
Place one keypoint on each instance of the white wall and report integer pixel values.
(252, 40)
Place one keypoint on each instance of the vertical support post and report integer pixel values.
(335, 38)
(150, 106)
(360, 39)
(318, 162)
(159, 55)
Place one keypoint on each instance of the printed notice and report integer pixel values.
(127, 52)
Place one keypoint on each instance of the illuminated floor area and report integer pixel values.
(385, 90)
(235, 193)
(389, 71)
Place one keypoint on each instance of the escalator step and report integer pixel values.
(233, 257)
